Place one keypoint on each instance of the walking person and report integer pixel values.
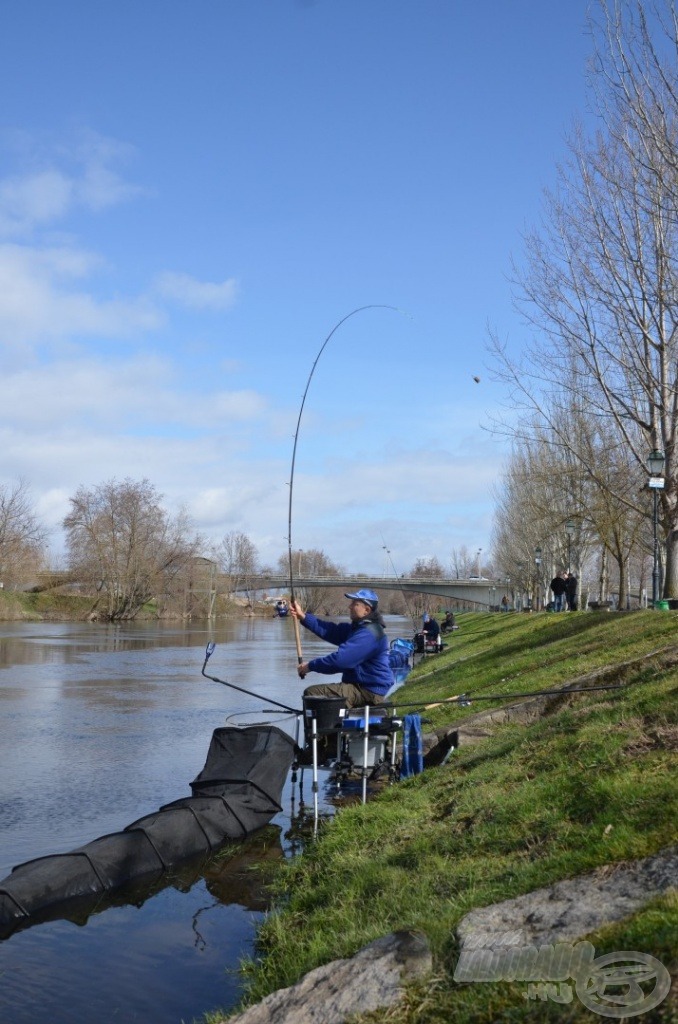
(559, 591)
(571, 592)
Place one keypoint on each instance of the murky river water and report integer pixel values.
(98, 726)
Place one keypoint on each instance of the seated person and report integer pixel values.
(432, 629)
(361, 655)
(448, 622)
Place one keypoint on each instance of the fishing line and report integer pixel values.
(336, 327)
(209, 651)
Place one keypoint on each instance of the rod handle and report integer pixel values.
(297, 640)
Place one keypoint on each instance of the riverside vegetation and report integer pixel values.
(590, 784)
(57, 606)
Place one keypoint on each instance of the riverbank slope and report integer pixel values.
(56, 606)
(590, 784)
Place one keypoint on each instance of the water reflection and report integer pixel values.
(100, 725)
(235, 874)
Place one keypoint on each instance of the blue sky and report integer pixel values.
(192, 196)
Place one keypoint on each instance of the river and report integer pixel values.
(98, 726)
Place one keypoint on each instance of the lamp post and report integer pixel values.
(655, 464)
(537, 562)
(478, 562)
(570, 527)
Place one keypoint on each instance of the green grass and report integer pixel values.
(16, 605)
(591, 783)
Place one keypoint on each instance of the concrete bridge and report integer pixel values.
(480, 592)
(476, 591)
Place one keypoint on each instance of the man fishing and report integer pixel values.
(361, 655)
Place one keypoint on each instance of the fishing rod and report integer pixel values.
(464, 699)
(336, 327)
(209, 651)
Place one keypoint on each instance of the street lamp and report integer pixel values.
(655, 464)
(537, 562)
(570, 527)
(478, 562)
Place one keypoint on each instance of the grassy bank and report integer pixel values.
(48, 605)
(590, 784)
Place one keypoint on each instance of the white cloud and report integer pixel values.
(187, 291)
(60, 179)
(99, 186)
(36, 303)
(135, 393)
(34, 200)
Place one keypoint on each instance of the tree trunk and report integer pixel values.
(603, 577)
(671, 573)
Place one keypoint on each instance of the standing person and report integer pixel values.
(361, 655)
(505, 603)
(559, 590)
(571, 592)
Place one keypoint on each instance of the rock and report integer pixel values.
(572, 908)
(330, 994)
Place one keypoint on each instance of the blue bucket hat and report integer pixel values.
(368, 596)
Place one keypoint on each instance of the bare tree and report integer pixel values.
(462, 562)
(238, 559)
(547, 501)
(428, 569)
(22, 537)
(126, 546)
(601, 284)
(326, 600)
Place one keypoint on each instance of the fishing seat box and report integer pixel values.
(327, 711)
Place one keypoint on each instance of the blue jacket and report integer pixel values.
(361, 655)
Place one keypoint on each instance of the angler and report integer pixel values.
(362, 654)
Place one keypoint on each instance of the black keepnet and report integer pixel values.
(237, 792)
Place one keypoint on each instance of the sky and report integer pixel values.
(195, 196)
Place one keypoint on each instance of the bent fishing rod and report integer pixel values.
(336, 327)
(209, 651)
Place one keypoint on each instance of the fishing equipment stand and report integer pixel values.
(359, 741)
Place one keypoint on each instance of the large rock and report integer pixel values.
(570, 909)
(373, 978)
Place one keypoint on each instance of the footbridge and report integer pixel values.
(478, 591)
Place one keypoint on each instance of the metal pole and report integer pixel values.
(655, 566)
(366, 748)
(314, 740)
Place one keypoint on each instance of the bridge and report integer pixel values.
(482, 592)
(478, 591)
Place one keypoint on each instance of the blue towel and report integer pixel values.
(413, 747)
